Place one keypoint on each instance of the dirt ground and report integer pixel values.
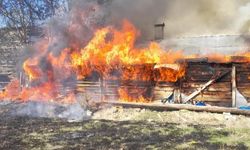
(119, 128)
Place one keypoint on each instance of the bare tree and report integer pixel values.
(23, 15)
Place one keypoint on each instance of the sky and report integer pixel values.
(184, 17)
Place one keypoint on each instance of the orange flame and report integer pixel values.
(112, 54)
(133, 96)
(110, 50)
(11, 91)
(104, 53)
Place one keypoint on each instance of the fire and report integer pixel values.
(135, 95)
(168, 74)
(111, 53)
(114, 50)
(11, 91)
(30, 66)
(111, 48)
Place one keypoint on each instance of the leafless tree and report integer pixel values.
(23, 15)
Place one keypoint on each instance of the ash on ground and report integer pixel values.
(70, 112)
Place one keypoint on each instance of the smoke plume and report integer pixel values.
(183, 18)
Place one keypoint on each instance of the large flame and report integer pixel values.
(110, 50)
(111, 53)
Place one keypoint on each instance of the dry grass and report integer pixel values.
(118, 128)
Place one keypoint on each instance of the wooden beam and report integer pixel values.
(194, 60)
(177, 95)
(101, 88)
(199, 90)
(172, 66)
(234, 88)
(172, 107)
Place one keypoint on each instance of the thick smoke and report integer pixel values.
(86, 15)
(144, 14)
(184, 18)
(202, 17)
(74, 28)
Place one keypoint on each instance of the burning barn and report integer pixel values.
(103, 62)
(192, 81)
(111, 68)
(69, 69)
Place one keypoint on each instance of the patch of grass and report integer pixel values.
(187, 145)
(184, 129)
(104, 134)
(72, 129)
(229, 136)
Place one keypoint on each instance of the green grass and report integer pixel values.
(133, 134)
(140, 133)
(232, 136)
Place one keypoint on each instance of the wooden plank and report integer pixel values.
(245, 85)
(234, 88)
(206, 92)
(194, 94)
(243, 69)
(162, 93)
(214, 99)
(206, 70)
(163, 88)
(171, 66)
(171, 107)
(196, 60)
(217, 95)
(85, 85)
(227, 88)
(197, 77)
(219, 103)
(217, 85)
(90, 88)
(87, 82)
(200, 78)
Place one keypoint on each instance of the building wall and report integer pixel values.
(225, 44)
(10, 50)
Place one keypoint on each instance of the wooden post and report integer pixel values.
(177, 95)
(177, 92)
(233, 80)
(20, 80)
(101, 88)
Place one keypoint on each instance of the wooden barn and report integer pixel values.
(216, 84)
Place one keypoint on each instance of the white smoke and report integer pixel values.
(72, 112)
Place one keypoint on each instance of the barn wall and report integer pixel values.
(198, 73)
(243, 79)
